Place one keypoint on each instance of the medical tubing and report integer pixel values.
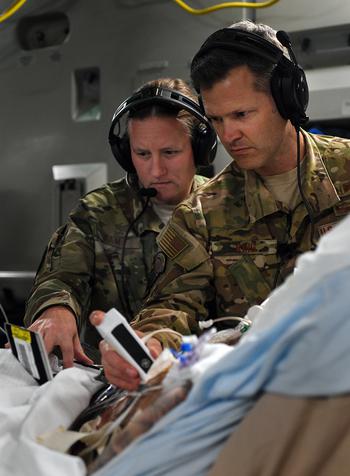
(210, 322)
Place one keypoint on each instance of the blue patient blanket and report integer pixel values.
(298, 346)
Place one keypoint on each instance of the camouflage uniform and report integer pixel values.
(81, 266)
(231, 243)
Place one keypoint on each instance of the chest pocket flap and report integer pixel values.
(181, 247)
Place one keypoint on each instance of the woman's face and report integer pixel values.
(162, 155)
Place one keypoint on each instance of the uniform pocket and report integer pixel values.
(54, 246)
(250, 280)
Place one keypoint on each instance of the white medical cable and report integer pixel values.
(4, 314)
(5, 319)
(202, 325)
(210, 322)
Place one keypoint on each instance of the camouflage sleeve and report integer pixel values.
(183, 290)
(64, 274)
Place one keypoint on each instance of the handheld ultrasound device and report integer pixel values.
(116, 330)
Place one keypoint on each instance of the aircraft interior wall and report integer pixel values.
(118, 45)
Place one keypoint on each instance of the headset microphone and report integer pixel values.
(283, 38)
(148, 192)
(144, 192)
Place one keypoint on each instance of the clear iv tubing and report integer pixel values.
(210, 322)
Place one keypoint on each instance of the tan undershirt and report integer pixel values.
(284, 187)
(164, 211)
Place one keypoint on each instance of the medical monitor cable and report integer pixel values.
(302, 193)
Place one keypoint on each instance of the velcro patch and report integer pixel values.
(172, 243)
(323, 229)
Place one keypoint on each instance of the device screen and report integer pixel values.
(132, 346)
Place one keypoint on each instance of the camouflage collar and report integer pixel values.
(151, 220)
(132, 205)
(259, 199)
(319, 188)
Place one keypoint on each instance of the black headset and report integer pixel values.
(288, 81)
(204, 140)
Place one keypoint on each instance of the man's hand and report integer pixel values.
(58, 327)
(117, 370)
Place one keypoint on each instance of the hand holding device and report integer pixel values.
(116, 330)
(58, 326)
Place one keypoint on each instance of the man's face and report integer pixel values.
(161, 152)
(249, 124)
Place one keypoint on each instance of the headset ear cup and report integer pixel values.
(301, 90)
(291, 95)
(277, 88)
(121, 150)
(204, 145)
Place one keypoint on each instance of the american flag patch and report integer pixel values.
(172, 243)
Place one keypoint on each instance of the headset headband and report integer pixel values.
(240, 40)
(157, 95)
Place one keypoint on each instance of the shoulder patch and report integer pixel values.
(172, 242)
